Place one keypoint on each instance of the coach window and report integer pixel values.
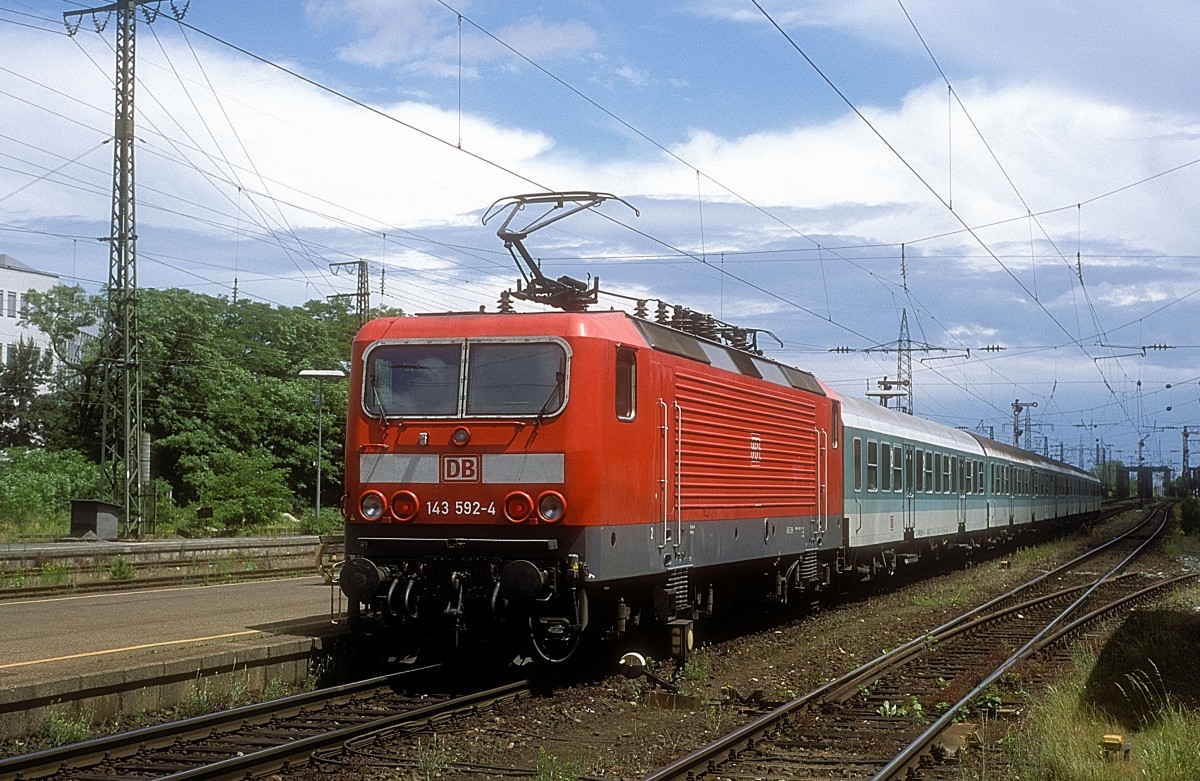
(937, 473)
(897, 469)
(929, 471)
(980, 483)
(857, 464)
(626, 384)
(920, 484)
(872, 465)
(955, 485)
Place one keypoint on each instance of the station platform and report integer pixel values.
(130, 652)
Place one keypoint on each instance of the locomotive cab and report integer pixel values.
(460, 447)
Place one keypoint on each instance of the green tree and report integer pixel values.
(23, 380)
(64, 313)
(70, 412)
(221, 394)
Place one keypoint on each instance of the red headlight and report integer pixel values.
(518, 507)
(405, 505)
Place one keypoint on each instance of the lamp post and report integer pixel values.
(320, 375)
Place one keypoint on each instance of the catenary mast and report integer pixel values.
(124, 462)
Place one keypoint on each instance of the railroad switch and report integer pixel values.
(1114, 746)
(634, 665)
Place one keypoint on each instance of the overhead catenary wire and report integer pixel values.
(817, 251)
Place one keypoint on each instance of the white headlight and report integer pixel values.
(372, 505)
(551, 506)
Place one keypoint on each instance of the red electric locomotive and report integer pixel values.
(544, 475)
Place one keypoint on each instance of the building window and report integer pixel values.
(12, 303)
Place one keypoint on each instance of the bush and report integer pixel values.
(39, 484)
(242, 489)
(1189, 515)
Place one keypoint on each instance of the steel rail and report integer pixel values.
(44, 763)
(717, 751)
(911, 755)
(277, 757)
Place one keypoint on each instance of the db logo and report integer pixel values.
(460, 469)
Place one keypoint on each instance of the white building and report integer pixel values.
(16, 279)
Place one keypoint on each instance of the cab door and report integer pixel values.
(668, 458)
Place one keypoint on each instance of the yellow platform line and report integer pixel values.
(141, 647)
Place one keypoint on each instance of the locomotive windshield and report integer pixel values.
(495, 379)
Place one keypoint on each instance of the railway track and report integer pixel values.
(371, 721)
(895, 713)
(259, 739)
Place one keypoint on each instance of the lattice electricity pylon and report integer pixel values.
(125, 464)
(362, 297)
(904, 348)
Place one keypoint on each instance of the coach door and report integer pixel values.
(910, 489)
(960, 486)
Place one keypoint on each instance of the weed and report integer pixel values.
(62, 729)
(277, 689)
(433, 758)
(891, 710)
(54, 573)
(989, 701)
(202, 698)
(714, 715)
(696, 670)
(120, 569)
(551, 768)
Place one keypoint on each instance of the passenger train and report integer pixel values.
(538, 478)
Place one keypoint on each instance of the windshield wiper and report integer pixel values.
(555, 393)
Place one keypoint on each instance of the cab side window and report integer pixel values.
(626, 384)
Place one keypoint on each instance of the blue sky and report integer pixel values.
(1043, 200)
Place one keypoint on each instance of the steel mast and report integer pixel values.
(124, 464)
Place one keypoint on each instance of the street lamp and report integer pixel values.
(320, 375)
